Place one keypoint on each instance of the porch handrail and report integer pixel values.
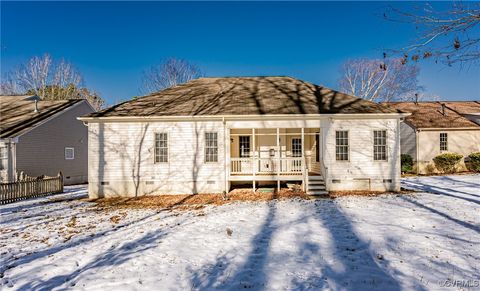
(324, 171)
(266, 165)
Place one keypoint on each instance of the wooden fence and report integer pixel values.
(29, 188)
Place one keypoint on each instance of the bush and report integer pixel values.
(407, 163)
(473, 162)
(446, 162)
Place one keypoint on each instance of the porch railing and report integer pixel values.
(269, 166)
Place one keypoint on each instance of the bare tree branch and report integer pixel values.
(451, 36)
(48, 80)
(380, 80)
(169, 73)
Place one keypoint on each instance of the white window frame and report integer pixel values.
(242, 153)
(443, 141)
(211, 157)
(73, 153)
(3, 157)
(347, 146)
(379, 146)
(164, 158)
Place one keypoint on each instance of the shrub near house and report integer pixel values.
(407, 163)
(473, 162)
(446, 162)
(436, 128)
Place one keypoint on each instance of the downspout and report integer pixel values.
(417, 149)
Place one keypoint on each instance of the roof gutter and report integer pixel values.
(448, 128)
(224, 118)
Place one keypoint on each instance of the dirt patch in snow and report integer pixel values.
(195, 201)
(335, 194)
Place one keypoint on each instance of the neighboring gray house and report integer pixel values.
(42, 138)
(211, 133)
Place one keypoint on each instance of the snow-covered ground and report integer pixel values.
(388, 242)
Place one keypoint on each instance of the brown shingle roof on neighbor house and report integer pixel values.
(243, 96)
(17, 113)
(430, 115)
(464, 107)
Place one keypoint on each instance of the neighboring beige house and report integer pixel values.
(211, 133)
(42, 138)
(438, 127)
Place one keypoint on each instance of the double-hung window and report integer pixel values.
(379, 145)
(341, 145)
(161, 147)
(244, 146)
(443, 141)
(211, 147)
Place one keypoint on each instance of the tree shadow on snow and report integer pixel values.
(252, 273)
(355, 265)
(360, 266)
(114, 256)
(435, 189)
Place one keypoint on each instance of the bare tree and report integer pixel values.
(380, 80)
(167, 74)
(451, 36)
(48, 80)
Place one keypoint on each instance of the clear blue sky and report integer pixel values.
(113, 42)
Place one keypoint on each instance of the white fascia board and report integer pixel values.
(244, 117)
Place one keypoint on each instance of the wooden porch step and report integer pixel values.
(316, 187)
(317, 192)
(315, 178)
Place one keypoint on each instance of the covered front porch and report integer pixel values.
(263, 155)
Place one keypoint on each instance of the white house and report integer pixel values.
(211, 133)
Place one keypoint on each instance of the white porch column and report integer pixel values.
(254, 161)
(228, 163)
(303, 158)
(279, 165)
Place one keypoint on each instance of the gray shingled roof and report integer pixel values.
(17, 113)
(244, 96)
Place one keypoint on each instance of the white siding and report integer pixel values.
(8, 174)
(121, 154)
(361, 172)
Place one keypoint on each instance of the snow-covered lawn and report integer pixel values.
(388, 242)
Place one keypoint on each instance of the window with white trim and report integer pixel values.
(379, 145)
(244, 146)
(443, 141)
(161, 147)
(341, 145)
(296, 147)
(69, 153)
(3, 158)
(211, 147)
